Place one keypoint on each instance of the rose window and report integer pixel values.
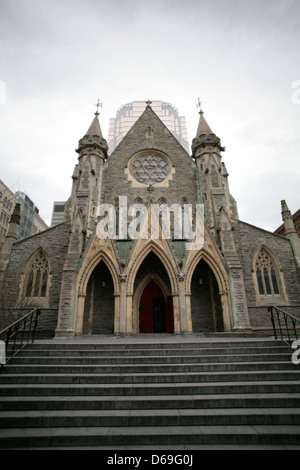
(150, 169)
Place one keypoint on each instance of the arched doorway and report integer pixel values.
(152, 298)
(99, 307)
(206, 307)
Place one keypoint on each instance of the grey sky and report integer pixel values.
(241, 58)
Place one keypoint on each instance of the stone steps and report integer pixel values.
(259, 435)
(125, 394)
(184, 368)
(135, 376)
(58, 350)
(164, 417)
(145, 402)
(134, 389)
(174, 360)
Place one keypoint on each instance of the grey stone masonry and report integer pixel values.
(54, 242)
(236, 280)
(85, 199)
(248, 240)
(116, 176)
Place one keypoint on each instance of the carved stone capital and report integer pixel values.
(122, 277)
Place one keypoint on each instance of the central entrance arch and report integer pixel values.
(152, 302)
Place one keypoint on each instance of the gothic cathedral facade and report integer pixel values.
(86, 284)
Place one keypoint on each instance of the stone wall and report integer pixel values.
(54, 242)
(248, 239)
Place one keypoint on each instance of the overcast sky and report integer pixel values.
(57, 57)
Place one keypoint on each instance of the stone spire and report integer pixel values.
(95, 129)
(93, 141)
(289, 229)
(203, 127)
(205, 136)
(287, 220)
(212, 176)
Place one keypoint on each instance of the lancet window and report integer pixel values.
(37, 276)
(266, 274)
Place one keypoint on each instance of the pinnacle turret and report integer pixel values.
(290, 231)
(93, 140)
(205, 136)
(203, 127)
(95, 129)
(287, 220)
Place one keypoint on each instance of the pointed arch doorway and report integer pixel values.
(206, 307)
(153, 304)
(99, 311)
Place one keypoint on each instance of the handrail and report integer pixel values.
(285, 325)
(17, 330)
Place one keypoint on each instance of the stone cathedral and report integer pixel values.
(90, 285)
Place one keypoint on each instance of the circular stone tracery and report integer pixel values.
(150, 168)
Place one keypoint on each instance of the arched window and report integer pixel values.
(37, 275)
(138, 200)
(266, 274)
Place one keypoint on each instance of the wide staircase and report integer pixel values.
(151, 393)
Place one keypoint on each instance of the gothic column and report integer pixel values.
(176, 313)
(117, 313)
(185, 325)
(123, 305)
(225, 310)
(188, 296)
(80, 313)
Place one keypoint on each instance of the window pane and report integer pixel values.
(37, 283)
(44, 284)
(259, 282)
(37, 276)
(267, 281)
(29, 284)
(274, 282)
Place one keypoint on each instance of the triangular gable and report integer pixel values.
(146, 126)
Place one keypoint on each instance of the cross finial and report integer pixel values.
(199, 106)
(98, 105)
(148, 103)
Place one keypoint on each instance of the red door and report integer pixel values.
(154, 315)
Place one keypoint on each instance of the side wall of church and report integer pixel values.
(248, 240)
(54, 242)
